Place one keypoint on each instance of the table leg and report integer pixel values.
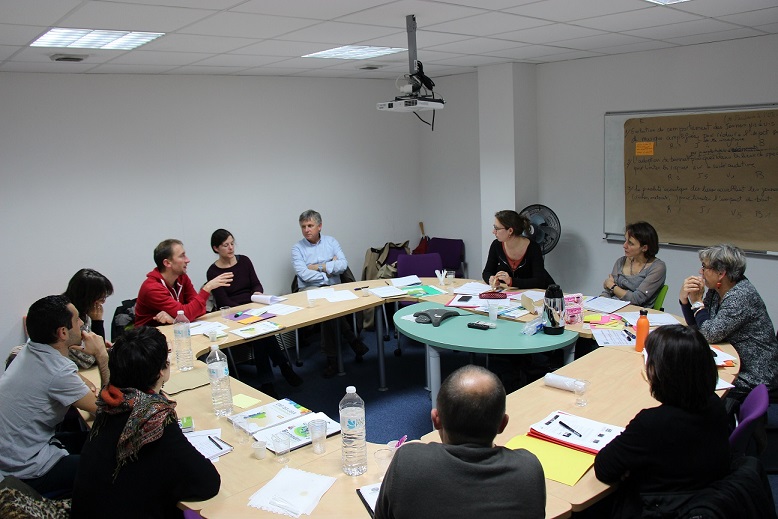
(426, 370)
(341, 371)
(568, 354)
(379, 336)
(433, 357)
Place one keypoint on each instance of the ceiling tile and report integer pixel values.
(315, 9)
(393, 14)
(754, 18)
(488, 24)
(476, 46)
(566, 11)
(197, 43)
(549, 33)
(677, 30)
(39, 12)
(19, 34)
(283, 48)
(160, 58)
(717, 8)
(650, 17)
(338, 33)
(116, 68)
(243, 25)
(127, 17)
(715, 36)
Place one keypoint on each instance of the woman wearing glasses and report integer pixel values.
(732, 311)
(637, 276)
(514, 260)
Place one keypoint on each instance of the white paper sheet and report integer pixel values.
(292, 492)
(606, 337)
(282, 309)
(386, 292)
(406, 281)
(653, 319)
(604, 305)
(472, 288)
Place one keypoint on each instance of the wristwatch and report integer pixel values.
(698, 305)
(320, 269)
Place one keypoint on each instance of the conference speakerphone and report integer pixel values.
(411, 104)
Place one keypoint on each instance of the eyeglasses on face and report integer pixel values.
(498, 228)
(705, 267)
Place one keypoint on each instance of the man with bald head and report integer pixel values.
(466, 475)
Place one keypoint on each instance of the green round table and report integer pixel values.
(453, 334)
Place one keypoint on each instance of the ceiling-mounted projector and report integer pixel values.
(418, 94)
(411, 104)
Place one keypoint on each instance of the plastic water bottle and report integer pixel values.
(219, 374)
(182, 342)
(642, 331)
(352, 425)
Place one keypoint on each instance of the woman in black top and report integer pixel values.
(514, 260)
(680, 446)
(137, 462)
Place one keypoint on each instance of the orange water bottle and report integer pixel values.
(642, 330)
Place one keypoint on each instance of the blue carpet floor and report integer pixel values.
(402, 410)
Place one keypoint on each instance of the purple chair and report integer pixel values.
(752, 411)
(452, 252)
(424, 266)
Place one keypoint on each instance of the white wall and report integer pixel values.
(572, 99)
(96, 170)
(449, 174)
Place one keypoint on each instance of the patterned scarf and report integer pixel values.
(149, 414)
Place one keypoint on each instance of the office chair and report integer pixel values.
(660, 298)
(452, 252)
(750, 416)
(422, 265)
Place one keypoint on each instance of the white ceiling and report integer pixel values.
(267, 37)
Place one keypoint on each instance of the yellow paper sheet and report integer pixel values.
(560, 463)
(250, 320)
(244, 401)
(592, 318)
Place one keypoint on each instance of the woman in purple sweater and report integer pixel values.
(245, 283)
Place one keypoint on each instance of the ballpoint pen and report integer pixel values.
(563, 424)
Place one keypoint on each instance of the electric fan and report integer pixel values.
(544, 226)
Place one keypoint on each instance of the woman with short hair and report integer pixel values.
(638, 276)
(137, 462)
(680, 446)
(732, 311)
(245, 283)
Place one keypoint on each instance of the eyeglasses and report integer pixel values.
(498, 228)
(703, 267)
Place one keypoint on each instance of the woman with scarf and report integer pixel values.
(137, 462)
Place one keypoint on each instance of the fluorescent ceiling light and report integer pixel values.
(666, 2)
(94, 39)
(355, 52)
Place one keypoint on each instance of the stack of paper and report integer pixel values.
(575, 432)
(659, 319)
(604, 304)
(292, 492)
(256, 329)
(209, 443)
(271, 414)
(472, 288)
(406, 281)
(267, 299)
(386, 292)
(561, 464)
(297, 430)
